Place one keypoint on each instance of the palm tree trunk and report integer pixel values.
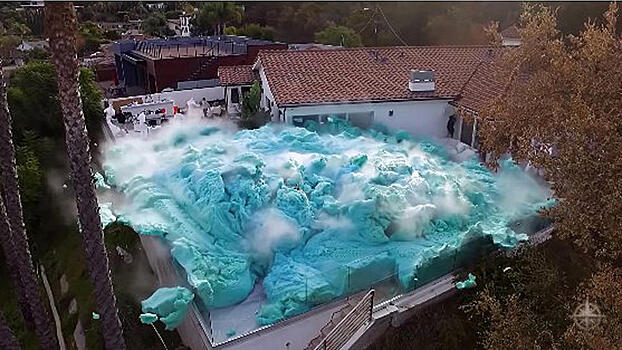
(6, 238)
(61, 28)
(10, 257)
(7, 338)
(17, 231)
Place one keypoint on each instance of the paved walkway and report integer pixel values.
(292, 334)
(57, 323)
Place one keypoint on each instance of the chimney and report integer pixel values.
(421, 80)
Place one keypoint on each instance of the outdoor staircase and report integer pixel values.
(335, 319)
(202, 67)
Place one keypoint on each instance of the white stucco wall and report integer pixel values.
(421, 118)
(233, 107)
(510, 42)
(267, 94)
(182, 97)
(179, 98)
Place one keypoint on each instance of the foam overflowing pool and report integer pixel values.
(310, 214)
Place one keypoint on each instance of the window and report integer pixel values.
(245, 90)
(334, 116)
(300, 120)
(362, 120)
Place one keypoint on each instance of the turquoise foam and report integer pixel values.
(312, 215)
(100, 183)
(148, 318)
(169, 304)
(467, 283)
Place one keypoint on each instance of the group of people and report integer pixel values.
(204, 106)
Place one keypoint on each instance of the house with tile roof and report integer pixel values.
(237, 81)
(415, 89)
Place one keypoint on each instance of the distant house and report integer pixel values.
(151, 65)
(311, 46)
(156, 6)
(510, 36)
(103, 64)
(120, 27)
(32, 4)
(415, 89)
(26, 46)
(19, 54)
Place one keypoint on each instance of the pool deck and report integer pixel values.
(197, 331)
(294, 333)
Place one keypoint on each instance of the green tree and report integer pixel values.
(33, 96)
(232, 30)
(29, 172)
(173, 14)
(561, 113)
(338, 35)
(112, 35)
(8, 45)
(156, 25)
(602, 289)
(250, 102)
(91, 96)
(37, 53)
(525, 301)
(18, 28)
(252, 116)
(90, 37)
(256, 31)
(522, 300)
(13, 229)
(214, 17)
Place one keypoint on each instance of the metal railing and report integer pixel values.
(197, 48)
(360, 315)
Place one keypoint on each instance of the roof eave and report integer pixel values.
(421, 99)
(237, 83)
(257, 63)
(464, 107)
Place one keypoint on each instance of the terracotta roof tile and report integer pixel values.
(368, 74)
(236, 75)
(481, 88)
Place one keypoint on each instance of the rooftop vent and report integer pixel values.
(421, 80)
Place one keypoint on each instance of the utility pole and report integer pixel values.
(375, 25)
(372, 18)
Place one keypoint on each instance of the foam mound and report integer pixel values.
(169, 304)
(148, 318)
(311, 213)
(468, 283)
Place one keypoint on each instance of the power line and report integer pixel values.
(391, 27)
(366, 24)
